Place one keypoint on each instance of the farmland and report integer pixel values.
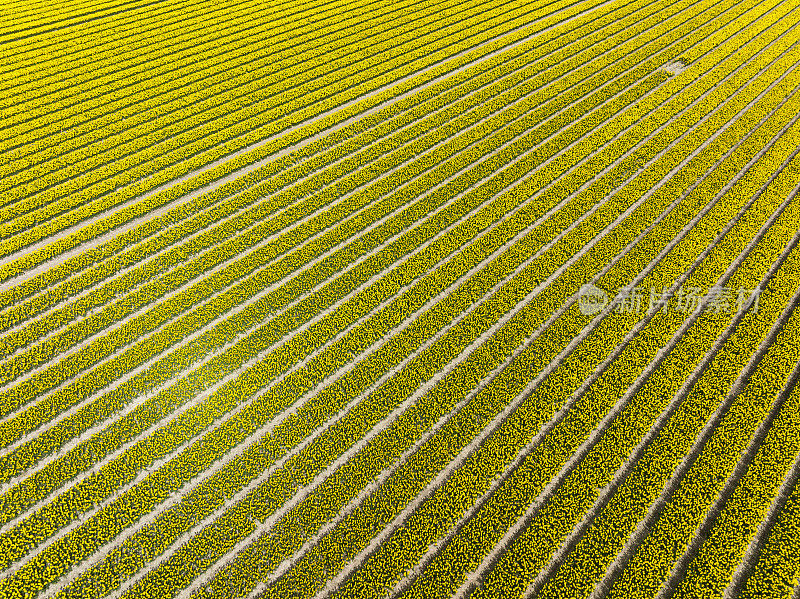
(402, 300)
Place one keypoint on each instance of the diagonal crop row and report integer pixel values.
(769, 457)
(25, 336)
(444, 565)
(48, 278)
(489, 171)
(50, 196)
(83, 194)
(424, 545)
(464, 52)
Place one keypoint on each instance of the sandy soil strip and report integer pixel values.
(236, 174)
(433, 551)
(574, 537)
(644, 525)
(750, 557)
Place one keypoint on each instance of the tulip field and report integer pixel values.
(409, 300)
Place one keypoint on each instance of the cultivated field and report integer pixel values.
(409, 299)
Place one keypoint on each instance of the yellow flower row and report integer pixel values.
(393, 226)
(718, 557)
(464, 552)
(587, 562)
(62, 316)
(534, 558)
(296, 113)
(405, 174)
(147, 116)
(45, 280)
(198, 459)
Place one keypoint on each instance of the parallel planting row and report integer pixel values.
(312, 318)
